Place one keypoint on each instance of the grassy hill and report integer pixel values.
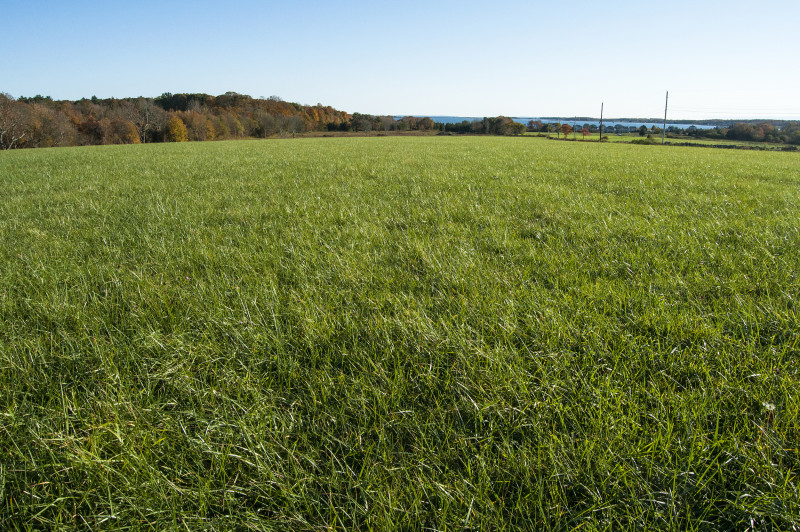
(405, 332)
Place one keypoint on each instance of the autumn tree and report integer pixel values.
(46, 125)
(425, 124)
(176, 130)
(535, 125)
(195, 124)
(566, 129)
(121, 131)
(92, 131)
(12, 130)
(144, 114)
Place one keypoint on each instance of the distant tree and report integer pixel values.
(770, 133)
(585, 132)
(176, 130)
(295, 125)
(12, 125)
(35, 99)
(361, 122)
(194, 105)
(221, 130)
(755, 132)
(515, 128)
(566, 129)
(387, 123)
(92, 131)
(231, 100)
(47, 126)
(143, 113)
(414, 123)
(183, 102)
(499, 125)
(195, 125)
(120, 131)
(425, 124)
(643, 130)
(534, 125)
(458, 127)
(235, 127)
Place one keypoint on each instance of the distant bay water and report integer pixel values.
(610, 123)
(565, 120)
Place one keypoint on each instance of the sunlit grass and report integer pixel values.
(656, 138)
(438, 333)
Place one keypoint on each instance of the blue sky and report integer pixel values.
(718, 59)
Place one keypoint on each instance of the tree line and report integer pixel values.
(787, 133)
(40, 121)
(498, 125)
(778, 132)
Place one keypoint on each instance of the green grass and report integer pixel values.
(399, 333)
(726, 142)
(673, 140)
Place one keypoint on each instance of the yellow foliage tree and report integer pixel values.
(176, 130)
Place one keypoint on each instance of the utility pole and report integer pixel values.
(665, 118)
(601, 122)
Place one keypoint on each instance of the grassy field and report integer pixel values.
(685, 139)
(436, 333)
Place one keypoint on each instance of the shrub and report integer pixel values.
(648, 140)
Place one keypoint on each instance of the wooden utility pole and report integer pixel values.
(665, 118)
(601, 122)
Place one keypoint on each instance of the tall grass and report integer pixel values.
(385, 333)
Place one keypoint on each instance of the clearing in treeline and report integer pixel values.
(417, 332)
